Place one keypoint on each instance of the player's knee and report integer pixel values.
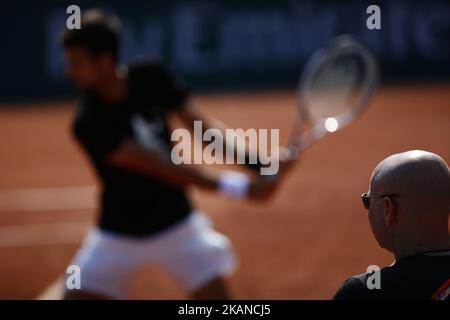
(216, 289)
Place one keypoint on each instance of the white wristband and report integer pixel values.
(234, 184)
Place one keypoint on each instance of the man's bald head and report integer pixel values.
(419, 175)
(410, 202)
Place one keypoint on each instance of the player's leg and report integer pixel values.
(216, 289)
(199, 257)
(84, 295)
(57, 291)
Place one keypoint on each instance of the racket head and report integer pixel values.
(335, 88)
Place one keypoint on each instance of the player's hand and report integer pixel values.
(263, 187)
(286, 160)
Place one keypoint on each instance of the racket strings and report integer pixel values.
(335, 88)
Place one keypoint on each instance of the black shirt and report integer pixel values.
(132, 203)
(421, 276)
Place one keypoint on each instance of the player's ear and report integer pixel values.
(390, 212)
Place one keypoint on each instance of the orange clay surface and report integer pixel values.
(300, 245)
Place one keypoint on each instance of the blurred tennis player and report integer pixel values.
(145, 215)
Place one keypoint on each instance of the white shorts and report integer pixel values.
(192, 251)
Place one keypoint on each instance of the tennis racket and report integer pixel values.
(336, 87)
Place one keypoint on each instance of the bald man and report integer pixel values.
(408, 204)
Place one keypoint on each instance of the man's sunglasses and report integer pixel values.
(366, 198)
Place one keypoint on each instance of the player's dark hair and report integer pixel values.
(99, 33)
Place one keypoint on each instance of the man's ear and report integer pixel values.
(390, 212)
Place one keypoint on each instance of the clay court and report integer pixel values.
(301, 245)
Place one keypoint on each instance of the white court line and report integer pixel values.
(45, 199)
(43, 234)
(48, 199)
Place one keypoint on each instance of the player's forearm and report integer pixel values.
(136, 159)
(132, 157)
(186, 175)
